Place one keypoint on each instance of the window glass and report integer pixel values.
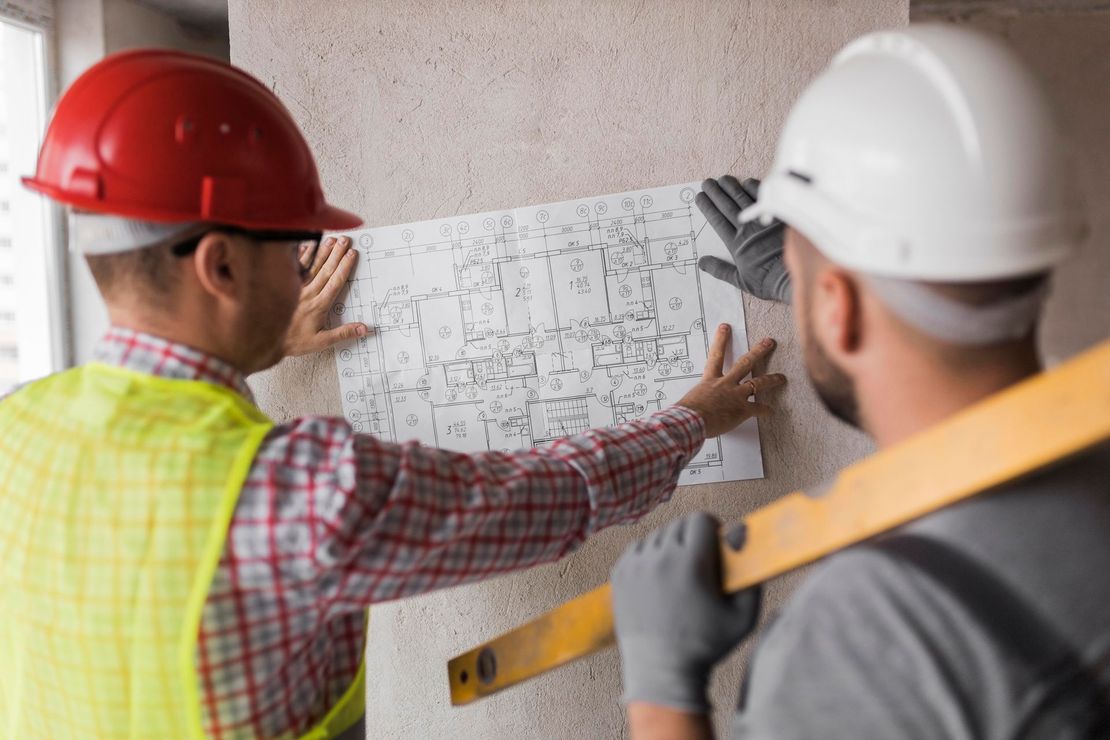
(30, 320)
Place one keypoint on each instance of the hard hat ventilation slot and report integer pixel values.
(804, 178)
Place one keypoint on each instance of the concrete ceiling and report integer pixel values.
(210, 15)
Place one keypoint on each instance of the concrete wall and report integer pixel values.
(425, 109)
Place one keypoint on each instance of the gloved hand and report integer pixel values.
(756, 249)
(673, 623)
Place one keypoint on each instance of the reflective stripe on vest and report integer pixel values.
(116, 490)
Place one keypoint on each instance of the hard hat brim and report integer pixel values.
(867, 243)
(327, 218)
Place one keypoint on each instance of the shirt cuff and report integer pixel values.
(638, 464)
(687, 426)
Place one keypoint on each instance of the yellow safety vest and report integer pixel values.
(116, 490)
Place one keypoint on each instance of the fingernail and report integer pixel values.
(350, 255)
(345, 240)
(768, 342)
(725, 328)
(361, 330)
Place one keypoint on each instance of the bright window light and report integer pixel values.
(31, 318)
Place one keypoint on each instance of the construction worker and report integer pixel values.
(177, 565)
(925, 200)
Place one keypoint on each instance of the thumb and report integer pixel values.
(745, 605)
(737, 536)
(720, 269)
(746, 602)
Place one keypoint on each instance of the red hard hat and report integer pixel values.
(168, 136)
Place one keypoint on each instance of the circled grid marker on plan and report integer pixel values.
(510, 329)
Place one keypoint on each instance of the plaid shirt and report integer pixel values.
(330, 521)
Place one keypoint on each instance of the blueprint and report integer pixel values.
(511, 329)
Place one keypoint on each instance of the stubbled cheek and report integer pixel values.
(293, 282)
(292, 299)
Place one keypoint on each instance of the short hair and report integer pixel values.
(151, 272)
(978, 293)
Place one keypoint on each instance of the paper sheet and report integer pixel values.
(510, 329)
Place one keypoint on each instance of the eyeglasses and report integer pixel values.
(308, 242)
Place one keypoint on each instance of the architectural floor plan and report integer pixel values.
(511, 329)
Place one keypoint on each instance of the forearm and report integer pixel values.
(628, 469)
(654, 722)
(441, 518)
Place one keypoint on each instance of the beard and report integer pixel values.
(834, 387)
(266, 325)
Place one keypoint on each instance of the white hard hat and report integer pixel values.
(927, 153)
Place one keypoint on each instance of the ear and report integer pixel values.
(837, 313)
(217, 267)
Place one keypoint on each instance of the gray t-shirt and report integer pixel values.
(880, 645)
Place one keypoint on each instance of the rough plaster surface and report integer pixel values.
(423, 109)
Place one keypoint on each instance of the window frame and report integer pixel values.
(30, 16)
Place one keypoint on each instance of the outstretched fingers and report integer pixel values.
(757, 383)
(329, 263)
(747, 362)
(737, 190)
(715, 360)
(338, 278)
(724, 401)
(305, 256)
(720, 269)
(724, 202)
(322, 255)
(760, 383)
(724, 228)
(751, 187)
(347, 332)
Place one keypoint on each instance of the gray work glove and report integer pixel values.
(673, 623)
(756, 250)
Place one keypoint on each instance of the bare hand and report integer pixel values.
(328, 274)
(721, 399)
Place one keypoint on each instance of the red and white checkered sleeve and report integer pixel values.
(370, 521)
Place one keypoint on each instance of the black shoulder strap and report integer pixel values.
(1077, 699)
